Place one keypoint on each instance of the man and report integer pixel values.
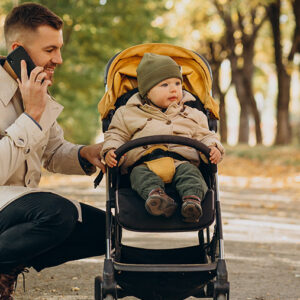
(39, 229)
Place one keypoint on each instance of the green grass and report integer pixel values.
(279, 155)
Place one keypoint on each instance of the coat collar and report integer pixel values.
(8, 86)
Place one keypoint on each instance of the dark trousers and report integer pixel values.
(41, 230)
(187, 180)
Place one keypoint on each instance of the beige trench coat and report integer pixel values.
(25, 148)
(135, 120)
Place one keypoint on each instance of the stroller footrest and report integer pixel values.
(165, 267)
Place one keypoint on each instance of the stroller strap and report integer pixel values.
(155, 154)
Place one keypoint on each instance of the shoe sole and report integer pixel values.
(191, 211)
(158, 206)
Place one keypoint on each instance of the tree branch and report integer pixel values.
(296, 39)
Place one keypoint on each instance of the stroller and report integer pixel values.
(177, 273)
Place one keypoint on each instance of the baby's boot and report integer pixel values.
(191, 208)
(159, 203)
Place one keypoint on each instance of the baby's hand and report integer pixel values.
(215, 155)
(110, 158)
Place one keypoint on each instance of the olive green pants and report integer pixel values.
(187, 180)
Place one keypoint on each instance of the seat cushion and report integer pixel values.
(132, 215)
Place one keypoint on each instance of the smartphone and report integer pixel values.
(14, 59)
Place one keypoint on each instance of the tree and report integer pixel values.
(94, 32)
(240, 22)
(284, 131)
(216, 54)
(241, 29)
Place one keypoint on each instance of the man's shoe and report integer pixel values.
(191, 209)
(160, 204)
(8, 283)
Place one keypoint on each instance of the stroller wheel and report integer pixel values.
(98, 288)
(221, 297)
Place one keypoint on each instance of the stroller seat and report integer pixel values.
(132, 215)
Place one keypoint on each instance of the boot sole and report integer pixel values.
(158, 206)
(191, 211)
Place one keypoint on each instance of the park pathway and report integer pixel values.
(261, 231)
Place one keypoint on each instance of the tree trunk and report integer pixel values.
(215, 63)
(237, 78)
(254, 110)
(244, 116)
(242, 75)
(283, 132)
(221, 96)
(223, 119)
(296, 39)
(248, 70)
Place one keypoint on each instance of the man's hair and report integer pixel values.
(29, 16)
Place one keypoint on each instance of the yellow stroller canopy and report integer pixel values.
(121, 74)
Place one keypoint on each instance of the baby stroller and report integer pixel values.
(177, 273)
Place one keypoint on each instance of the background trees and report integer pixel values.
(250, 35)
(258, 39)
(284, 65)
(94, 31)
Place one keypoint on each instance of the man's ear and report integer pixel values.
(14, 45)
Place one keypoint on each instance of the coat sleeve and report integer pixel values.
(61, 156)
(206, 136)
(17, 143)
(117, 133)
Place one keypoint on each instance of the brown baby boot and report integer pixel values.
(191, 209)
(159, 203)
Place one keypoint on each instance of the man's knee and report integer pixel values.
(61, 211)
(49, 210)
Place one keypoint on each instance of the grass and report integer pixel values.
(282, 155)
(243, 160)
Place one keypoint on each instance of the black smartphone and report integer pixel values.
(14, 59)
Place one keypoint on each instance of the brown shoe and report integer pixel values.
(8, 283)
(191, 209)
(159, 203)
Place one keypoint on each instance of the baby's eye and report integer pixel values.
(164, 84)
(178, 83)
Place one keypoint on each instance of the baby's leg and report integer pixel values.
(143, 181)
(192, 188)
(151, 188)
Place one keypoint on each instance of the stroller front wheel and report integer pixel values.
(221, 297)
(98, 288)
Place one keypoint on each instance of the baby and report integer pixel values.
(159, 108)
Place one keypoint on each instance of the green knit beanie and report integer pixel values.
(154, 68)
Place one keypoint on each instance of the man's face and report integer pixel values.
(44, 47)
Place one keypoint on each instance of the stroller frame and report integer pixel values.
(106, 287)
(124, 266)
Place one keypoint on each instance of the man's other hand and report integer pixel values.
(92, 154)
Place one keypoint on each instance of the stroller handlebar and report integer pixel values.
(160, 139)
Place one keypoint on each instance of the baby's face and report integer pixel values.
(166, 92)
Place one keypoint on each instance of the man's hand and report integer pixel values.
(33, 91)
(215, 155)
(92, 154)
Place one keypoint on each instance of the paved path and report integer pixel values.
(262, 242)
